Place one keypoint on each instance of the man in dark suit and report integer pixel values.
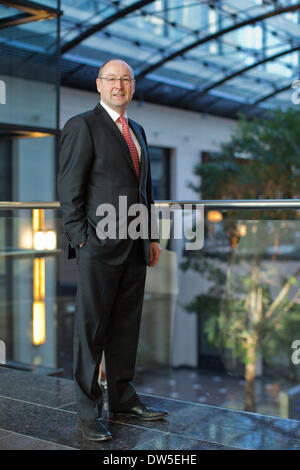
(104, 157)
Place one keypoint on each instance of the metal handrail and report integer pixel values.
(208, 204)
(8, 205)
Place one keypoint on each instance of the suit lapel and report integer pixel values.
(100, 111)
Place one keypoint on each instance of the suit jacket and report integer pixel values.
(96, 168)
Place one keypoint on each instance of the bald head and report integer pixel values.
(116, 62)
(116, 84)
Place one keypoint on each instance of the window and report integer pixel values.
(160, 172)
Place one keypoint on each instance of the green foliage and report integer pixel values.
(247, 307)
(260, 160)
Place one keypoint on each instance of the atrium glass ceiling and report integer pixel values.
(218, 57)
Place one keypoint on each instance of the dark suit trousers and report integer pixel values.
(107, 318)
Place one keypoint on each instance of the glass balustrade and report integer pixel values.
(221, 316)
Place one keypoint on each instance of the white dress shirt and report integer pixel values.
(115, 116)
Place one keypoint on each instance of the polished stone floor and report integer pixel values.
(38, 412)
(214, 387)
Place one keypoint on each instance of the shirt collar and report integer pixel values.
(113, 114)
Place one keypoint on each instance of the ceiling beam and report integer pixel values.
(270, 95)
(15, 20)
(103, 24)
(216, 35)
(30, 7)
(253, 104)
(31, 12)
(190, 96)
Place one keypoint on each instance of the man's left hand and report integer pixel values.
(154, 253)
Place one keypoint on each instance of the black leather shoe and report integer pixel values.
(140, 412)
(94, 430)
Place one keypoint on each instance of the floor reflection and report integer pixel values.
(213, 388)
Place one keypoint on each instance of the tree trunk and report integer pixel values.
(255, 314)
(250, 369)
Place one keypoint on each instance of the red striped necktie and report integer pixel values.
(131, 145)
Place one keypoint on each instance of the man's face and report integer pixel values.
(116, 93)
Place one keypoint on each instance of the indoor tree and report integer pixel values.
(250, 308)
